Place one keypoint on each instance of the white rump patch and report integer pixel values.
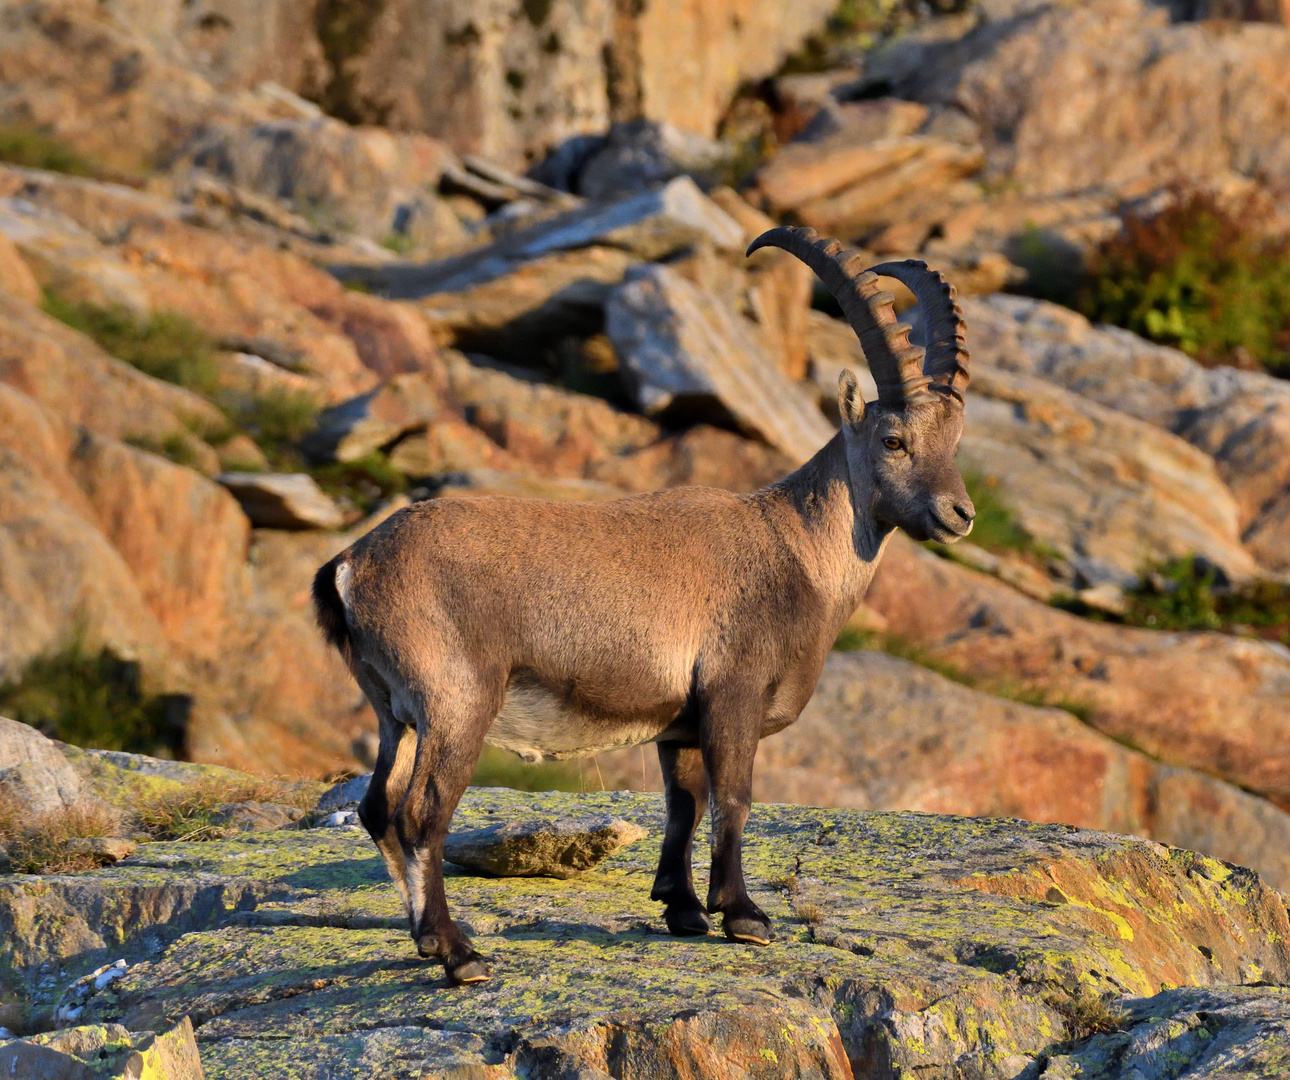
(343, 572)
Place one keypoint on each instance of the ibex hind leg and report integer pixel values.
(685, 786)
(390, 776)
(450, 736)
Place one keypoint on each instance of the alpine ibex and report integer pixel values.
(693, 618)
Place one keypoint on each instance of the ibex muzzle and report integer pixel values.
(695, 619)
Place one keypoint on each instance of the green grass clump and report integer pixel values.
(173, 448)
(366, 483)
(500, 768)
(1187, 594)
(1086, 1014)
(95, 699)
(34, 149)
(996, 527)
(166, 345)
(277, 419)
(1200, 276)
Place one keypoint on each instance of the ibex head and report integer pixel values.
(900, 448)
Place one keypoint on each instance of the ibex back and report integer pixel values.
(695, 619)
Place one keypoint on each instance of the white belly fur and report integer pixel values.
(536, 724)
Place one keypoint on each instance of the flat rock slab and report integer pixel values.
(557, 849)
(283, 500)
(905, 944)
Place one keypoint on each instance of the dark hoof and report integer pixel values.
(471, 970)
(691, 920)
(428, 946)
(751, 930)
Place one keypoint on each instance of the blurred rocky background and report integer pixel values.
(269, 271)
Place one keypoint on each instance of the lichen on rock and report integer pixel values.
(954, 946)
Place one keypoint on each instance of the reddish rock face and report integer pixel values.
(1211, 702)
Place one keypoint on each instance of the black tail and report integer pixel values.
(329, 611)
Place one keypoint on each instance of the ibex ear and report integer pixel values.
(850, 400)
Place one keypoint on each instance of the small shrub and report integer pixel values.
(852, 640)
(399, 243)
(1201, 276)
(173, 448)
(500, 768)
(95, 700)
(34, 149)
(854, 25)
(166, 346)
(1186, 594)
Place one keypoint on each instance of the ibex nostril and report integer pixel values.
(967, 513)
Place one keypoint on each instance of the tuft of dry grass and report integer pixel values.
(189, 813)
(787, 883)
(809, 913)
(37, 843)
(1086, 1014)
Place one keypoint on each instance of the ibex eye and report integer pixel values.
(891, 443)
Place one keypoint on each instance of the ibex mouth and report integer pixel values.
(944, 532)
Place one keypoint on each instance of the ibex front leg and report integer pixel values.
(729, 733)
(685, 784)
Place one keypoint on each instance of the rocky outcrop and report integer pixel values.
(1169, 100)
(1239, 418)
(904, 940)
(1210, 702)
(521, 78)
(106, 1052)
(1110, 493)
(683, 352)
(111, 247)
(882, 733)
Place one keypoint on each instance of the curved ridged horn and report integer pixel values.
(946, 363)
(895, 364)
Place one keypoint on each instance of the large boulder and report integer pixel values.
(33, 771)
(684, 351)
(863, 167)
(903, 940)
(283, 500)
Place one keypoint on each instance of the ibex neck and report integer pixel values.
(837, 541)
